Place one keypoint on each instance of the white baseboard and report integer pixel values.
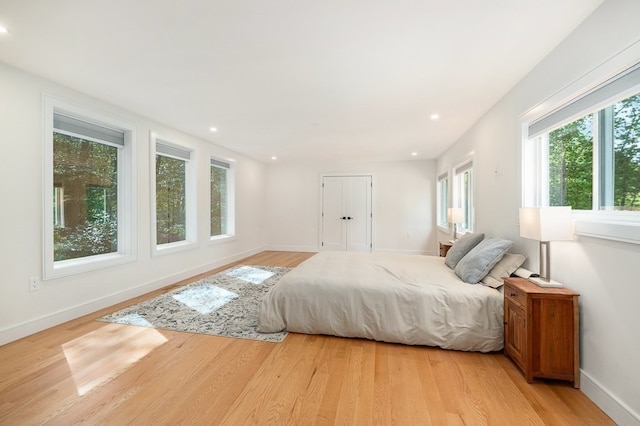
(305, 249)
(27, 328)
(620, 412)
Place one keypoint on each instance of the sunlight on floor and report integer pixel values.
(250, 274)
(102, 355)
(205, 298)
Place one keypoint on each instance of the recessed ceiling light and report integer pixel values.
(435, 116)
(414, 153)
(3, 30)
(273, 157)
(213, 129)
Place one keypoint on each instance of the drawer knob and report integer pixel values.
(513, 294)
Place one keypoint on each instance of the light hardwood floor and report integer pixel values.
(90, 372)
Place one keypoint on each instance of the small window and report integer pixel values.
(89, 216)
(463, 176)
(221, 201)
(174, 204)
(443, 200)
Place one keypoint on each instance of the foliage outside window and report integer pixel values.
(85, 220)
(171, 207)
(443, 200)
(464, 194)
(219, 198)
(592, 163)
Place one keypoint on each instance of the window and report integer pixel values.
(463, 194)
(591, 162)
(174, 203)
(586, 154)
(88, 217)
(221, 208)
(443, 200)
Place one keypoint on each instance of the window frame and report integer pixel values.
(230, 235)
(127, 186)
(191, 237)
(616, 225)
(466, 202)
(442, 203)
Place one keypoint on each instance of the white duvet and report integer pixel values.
(411, 299)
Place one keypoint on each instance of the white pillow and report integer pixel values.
(504, 268)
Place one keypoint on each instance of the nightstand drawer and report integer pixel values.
(515, 295)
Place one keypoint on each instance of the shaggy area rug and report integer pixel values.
(223, 304)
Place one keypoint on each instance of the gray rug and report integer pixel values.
(223, 304)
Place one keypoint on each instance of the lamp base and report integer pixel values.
(546, 284)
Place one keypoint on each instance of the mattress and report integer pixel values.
(410, 299)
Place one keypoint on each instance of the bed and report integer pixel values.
(410, 299)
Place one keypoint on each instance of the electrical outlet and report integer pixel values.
(34, 283)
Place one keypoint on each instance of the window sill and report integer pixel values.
(170, 248)
(444, 229)
(219, 239)
(622, 227)
(64, 268)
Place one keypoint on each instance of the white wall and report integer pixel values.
(403, 197)
(605, 273)
(21, 128)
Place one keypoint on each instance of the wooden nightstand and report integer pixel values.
(541, 330)
(444, 248)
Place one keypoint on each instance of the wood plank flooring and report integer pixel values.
(90, 372)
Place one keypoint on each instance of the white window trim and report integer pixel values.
(467, 164)
(127, 184)
(190, 241)
(231, 202)
(618, 226)
(441, 176)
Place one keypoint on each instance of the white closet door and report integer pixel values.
(359, 214)
(346, 213)
(334, 235)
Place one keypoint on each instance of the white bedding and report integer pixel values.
(409, 299)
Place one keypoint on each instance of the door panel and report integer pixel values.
(333, 201)
(359, 209)
(346, 213)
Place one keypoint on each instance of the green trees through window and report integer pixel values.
(218, 200)
(571, 165)
(615, 133)
(626, 116)
(171, 207)
(85, 199)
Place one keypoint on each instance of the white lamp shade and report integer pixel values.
(546, 223)
(455, 215)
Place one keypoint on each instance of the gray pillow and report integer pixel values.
(461, 247)
(479, 261)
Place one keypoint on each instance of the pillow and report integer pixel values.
(461, 247)
(504, 268)
(476, 264)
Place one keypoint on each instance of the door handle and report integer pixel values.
(349, 218)
(342, 218)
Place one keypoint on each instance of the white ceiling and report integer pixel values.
(303, 80)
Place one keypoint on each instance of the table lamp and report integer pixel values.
(455, 215)
(546, 224)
